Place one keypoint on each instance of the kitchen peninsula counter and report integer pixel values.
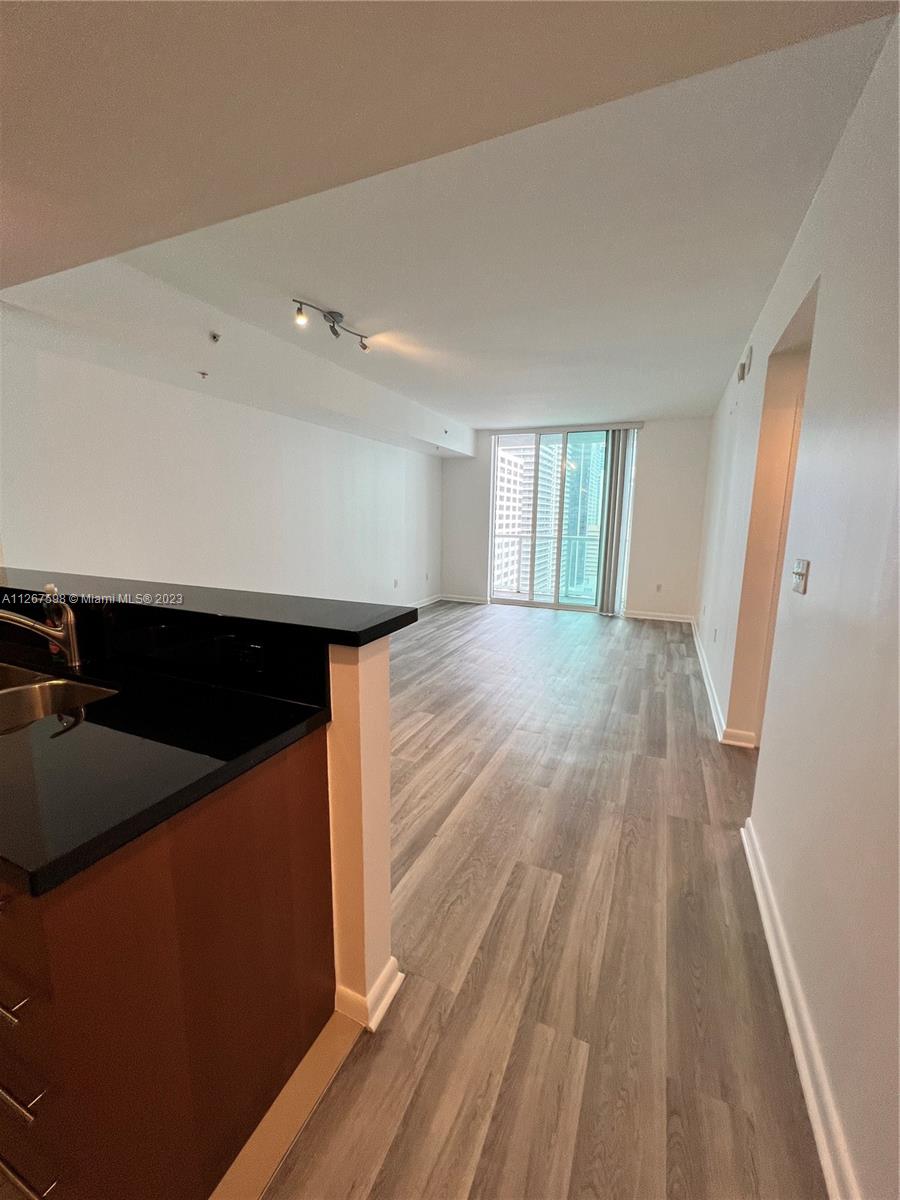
(194, 876)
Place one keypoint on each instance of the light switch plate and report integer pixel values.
(801, 575)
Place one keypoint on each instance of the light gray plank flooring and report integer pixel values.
(590, 1010)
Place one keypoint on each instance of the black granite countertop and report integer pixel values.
(208, 684)
(340, 622)
(70, 796)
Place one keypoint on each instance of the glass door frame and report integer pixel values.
(537, 433)
(563, 459)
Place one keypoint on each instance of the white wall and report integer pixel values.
(111, 312)
(107, 471)
(824, 819)
(670, 477)
(466, 523)
(667, 517)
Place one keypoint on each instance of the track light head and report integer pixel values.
(332, 318)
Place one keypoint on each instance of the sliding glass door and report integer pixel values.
(550, 517)
(546, 524)
(513, 515)
(581, 518)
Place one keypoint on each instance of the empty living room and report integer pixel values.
(449, 600)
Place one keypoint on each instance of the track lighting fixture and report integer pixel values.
(332, 318)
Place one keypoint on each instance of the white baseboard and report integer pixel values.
(728, 736)
(466, 599)
(636, 615)
(252, 1170)
(368, 1010)
(427, 601)
(738, 737)
(714, 706)
(837, 1162)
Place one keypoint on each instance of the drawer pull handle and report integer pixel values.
(23, 1186)
(20, 1109)
(9, 1013)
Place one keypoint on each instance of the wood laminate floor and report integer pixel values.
(589, 1010)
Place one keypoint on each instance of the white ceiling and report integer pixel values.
(127, 123)
(604, 265)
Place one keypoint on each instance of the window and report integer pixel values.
(553, 509)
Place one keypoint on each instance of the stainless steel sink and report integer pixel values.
(20, 705)
(15, 676)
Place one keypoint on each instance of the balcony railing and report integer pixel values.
(579, 563)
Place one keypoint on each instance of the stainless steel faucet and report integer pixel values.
(60, 628)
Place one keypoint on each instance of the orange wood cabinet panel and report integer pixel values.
(256, 991)
(174, 986)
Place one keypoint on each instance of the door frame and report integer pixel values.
(784, 390)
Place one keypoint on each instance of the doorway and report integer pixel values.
(779, 434)
(560, 505)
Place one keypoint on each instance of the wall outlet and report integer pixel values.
(659, 587)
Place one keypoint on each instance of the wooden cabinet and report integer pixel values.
(170, 990)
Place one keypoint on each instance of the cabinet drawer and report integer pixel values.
(27, 1150)
(22, 1088)
(26, 1027)
(22, 947)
